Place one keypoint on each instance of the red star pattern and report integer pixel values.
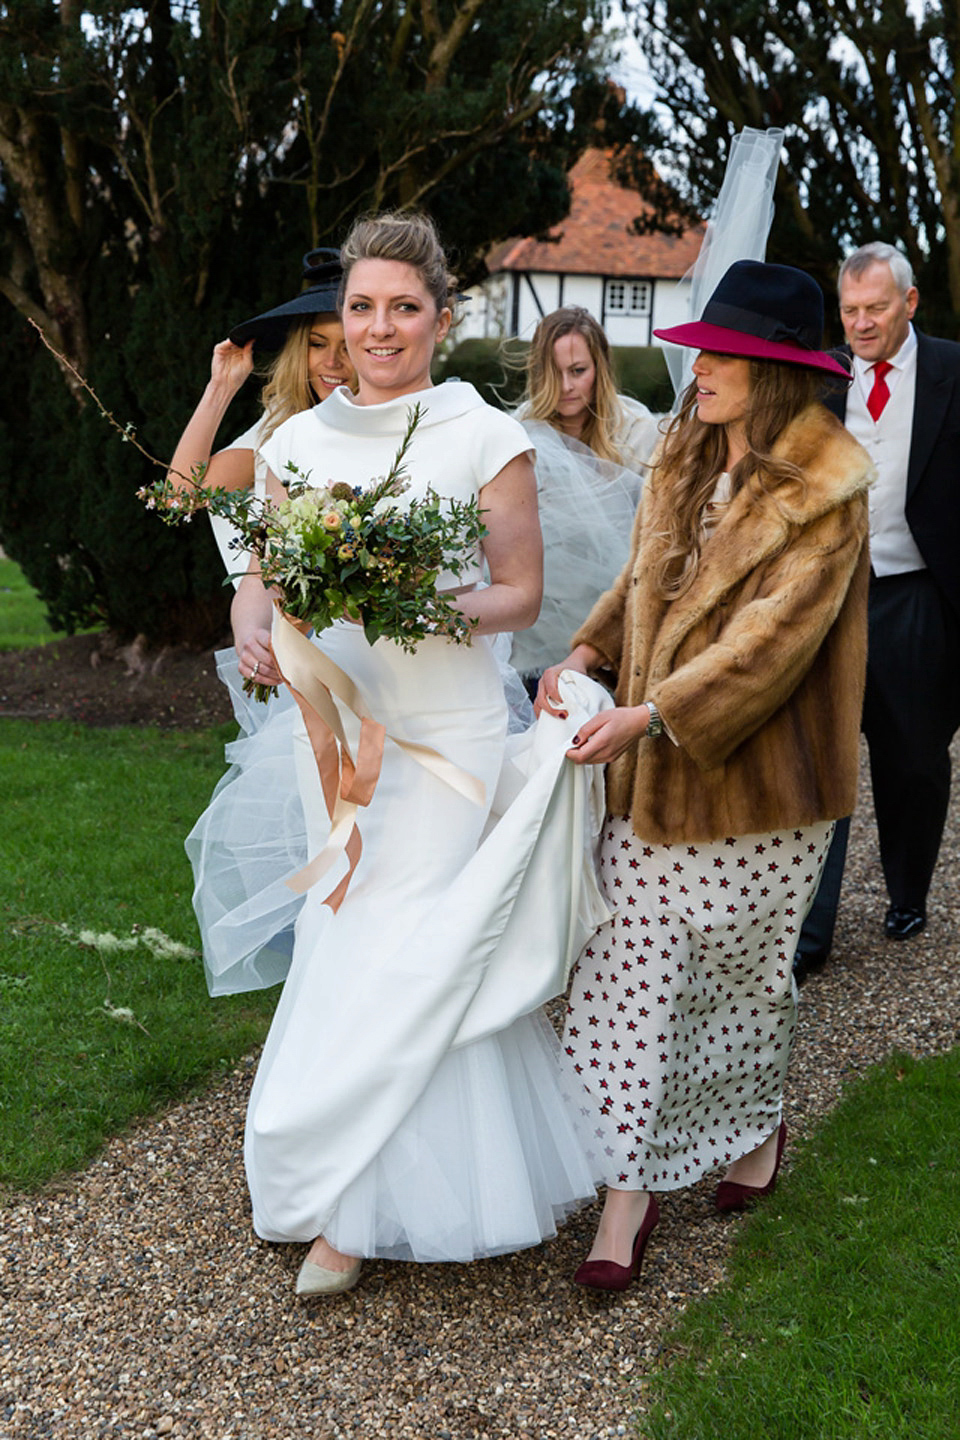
(690, 1075)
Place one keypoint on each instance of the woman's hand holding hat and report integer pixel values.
(231, 364)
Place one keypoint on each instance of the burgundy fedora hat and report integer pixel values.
(762, 312)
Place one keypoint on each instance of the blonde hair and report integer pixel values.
(694, 454)
(544, 383)
(287, 389)
(409, 237)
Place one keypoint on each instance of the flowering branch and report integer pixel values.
(126, 432)
(341, 550)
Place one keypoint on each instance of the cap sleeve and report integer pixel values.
(499, 439)
(279, 448)
(249, 440)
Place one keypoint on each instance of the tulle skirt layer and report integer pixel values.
(380, 1117)
(251, 838)
(587, 508)
(485, 1163)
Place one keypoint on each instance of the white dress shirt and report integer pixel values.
(893, 550)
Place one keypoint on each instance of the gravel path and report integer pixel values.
(135, 1300)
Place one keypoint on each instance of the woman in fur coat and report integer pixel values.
(735, 640)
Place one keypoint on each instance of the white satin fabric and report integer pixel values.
(407, 1102)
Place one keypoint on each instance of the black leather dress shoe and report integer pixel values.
(902, 922)
(806, 963)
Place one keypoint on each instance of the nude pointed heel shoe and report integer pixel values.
(316, 1280)
(731, 1195)
(607, 1274)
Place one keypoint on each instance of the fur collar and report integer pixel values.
(754, 528)
(835, 466)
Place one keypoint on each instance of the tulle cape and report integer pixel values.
(587, 506)
(252, 837)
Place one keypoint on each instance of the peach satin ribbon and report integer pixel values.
(347, 782)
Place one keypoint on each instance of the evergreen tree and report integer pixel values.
(163, 167)
(867, 95)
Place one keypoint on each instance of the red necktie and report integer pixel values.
(879, 395)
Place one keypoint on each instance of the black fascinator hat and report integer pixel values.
(321, 273)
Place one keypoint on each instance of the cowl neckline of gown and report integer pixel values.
(438, 403)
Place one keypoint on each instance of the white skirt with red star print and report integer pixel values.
(683, 1008)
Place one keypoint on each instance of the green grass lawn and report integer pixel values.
(96, 1031)
(92, 840)
(22, 617)
(840, 1319)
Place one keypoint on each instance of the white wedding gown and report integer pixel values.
(407, 1102)
(393, 1110)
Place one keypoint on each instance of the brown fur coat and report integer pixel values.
(758, 668)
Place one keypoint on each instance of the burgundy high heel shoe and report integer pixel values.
(731, 1195)
(607, 1274)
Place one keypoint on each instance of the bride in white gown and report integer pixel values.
(401, 1108)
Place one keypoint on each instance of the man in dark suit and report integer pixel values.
(904, 408)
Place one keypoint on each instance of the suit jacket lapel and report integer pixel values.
(836, 400)
(932, 398)
(837, 404)
(934, 389)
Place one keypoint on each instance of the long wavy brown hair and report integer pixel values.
(545, 386)
(694, 454)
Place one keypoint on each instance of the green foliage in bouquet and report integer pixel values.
(344, 551)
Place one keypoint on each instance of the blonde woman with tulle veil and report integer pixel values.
(592, 447)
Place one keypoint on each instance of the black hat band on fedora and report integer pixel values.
(765, 327)
(760, 311)
(322, 266)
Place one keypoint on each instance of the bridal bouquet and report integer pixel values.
(341, 550)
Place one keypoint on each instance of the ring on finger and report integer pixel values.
(256, 667)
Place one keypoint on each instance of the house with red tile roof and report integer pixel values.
(630, 283)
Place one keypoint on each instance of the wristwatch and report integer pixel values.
(655, 723)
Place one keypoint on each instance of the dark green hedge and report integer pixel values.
(495, 367)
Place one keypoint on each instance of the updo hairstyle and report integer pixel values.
(409, 237)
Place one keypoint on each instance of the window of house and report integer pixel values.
(628, 297)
